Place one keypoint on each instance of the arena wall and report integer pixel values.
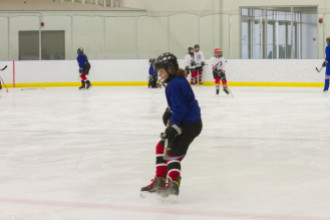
(135, 72)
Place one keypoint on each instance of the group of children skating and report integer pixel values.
(194, 63)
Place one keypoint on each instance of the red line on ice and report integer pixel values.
(156, 210)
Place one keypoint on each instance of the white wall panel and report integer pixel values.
(136, 70)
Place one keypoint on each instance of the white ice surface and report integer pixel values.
(84, 155)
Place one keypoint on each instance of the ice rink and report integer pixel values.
(65, 154)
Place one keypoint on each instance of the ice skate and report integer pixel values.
(82, 85)
(225, 89)
(217, 91)
(156, 184)
(171, 188)
(88, 84)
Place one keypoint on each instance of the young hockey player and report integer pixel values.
(218, 64)
(84, 67)
(190, 65)
(183, 121)
(325, 64)
(200, 62)
(153, 75)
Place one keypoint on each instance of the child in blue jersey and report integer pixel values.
(325, 64)
(153, 76)
(84, 67)
(183, 120)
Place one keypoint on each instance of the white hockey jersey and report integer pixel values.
(218, 63)
(199, 58)
(189, 60)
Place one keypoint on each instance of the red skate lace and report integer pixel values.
(152, 182)
(166, 185)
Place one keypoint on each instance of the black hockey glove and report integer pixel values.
(215, 73)
(202, 66)
(187, 70)
(325, 63)
(171, 132)
(222, 74)
(193, 63)
(167, 116)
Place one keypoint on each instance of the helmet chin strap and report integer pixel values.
(165, 81)
(161, 80)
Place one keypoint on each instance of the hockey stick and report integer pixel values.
(162, 136)
(166, 149)
(319, 70)
(232, 95)
(4, 83)
(5, 67)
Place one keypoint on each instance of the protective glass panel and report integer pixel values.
(245, 40)
(207, 35)
(256, 40)
(183, 33)
(88, 33)
(120, 34)
(28, 45)
(270, 41)
(152, 36)
(3, 38)
(22, 23)
(282, 34)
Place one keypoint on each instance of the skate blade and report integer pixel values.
(146, 194)
(170, 199)
(159, 197)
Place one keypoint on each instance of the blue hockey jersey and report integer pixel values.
(82, 59)
(327, 58)
(181, 100)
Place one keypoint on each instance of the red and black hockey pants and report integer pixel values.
(176, 151)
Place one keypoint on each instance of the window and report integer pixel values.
(52, 45)
(276, 32)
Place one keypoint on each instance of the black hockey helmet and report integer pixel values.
(151, 60)
(189, 49)
(80, 50)
(168, 62)
(196, 46)
(328, 40)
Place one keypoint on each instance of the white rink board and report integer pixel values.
(7, 74)
(136, 70)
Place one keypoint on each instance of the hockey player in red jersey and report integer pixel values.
(218, 64)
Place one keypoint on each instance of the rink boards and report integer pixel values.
(134, 72)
